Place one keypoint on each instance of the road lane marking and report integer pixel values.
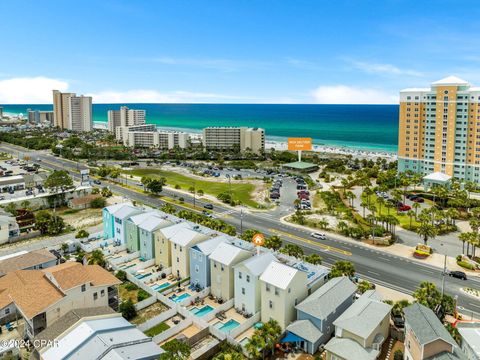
(311, 242)
(373, 272)
(473, 305)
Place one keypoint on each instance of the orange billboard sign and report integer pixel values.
(299, 144)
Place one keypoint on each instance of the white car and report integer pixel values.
(318, 236)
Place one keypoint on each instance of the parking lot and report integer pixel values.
(19, 179)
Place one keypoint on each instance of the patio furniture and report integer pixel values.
(9, 326)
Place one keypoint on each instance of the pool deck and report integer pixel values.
(229, 314)
(188, 332)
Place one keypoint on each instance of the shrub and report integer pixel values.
(131, 287)
(459, 258)
(398, 355)
(82, 234)
(142, 295)
(178, 187)
(466, 265)
(128, 309)
(98, 203)
(121, 275)
(181, 199)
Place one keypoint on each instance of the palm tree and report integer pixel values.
(342, 226)
(363, 204)
(389, 206)
(393, 221)
(451, 214)
(345, 184)
(426, 231)
(464, 238)
(380, 202)
(322, 223)
(255, 346)
(351, 197)
(368, 192)
(415, 207)
(411, 214)
(314, 259)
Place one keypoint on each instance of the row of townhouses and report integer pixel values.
(313, 312)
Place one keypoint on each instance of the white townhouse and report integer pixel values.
(247, 282)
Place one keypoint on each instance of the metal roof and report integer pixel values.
(258, 263)
(226, 253)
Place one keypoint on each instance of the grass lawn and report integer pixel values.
(403, 218)
(242, 192)
(126, 294)
(157, 329)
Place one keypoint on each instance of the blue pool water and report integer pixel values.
(228, 326)
(180, 298)
(202, 311)
(141, 276)
(161, 287)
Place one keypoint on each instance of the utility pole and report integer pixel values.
(194, 191)
(241, 221)
(444, 271)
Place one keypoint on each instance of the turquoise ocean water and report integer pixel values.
(369, 127)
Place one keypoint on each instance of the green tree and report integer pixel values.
(121, 275)
(155, 186)
(48, 224)
(168, 208)
(342, 268)
(364, 285)
(314, 259)
(127, 309)
(454, 333)
(11, 208)
(292, 250)
(58, 180)
(428, 295)
(97, 258)
(228, 351)
(82, 234)
(426, 231)
(175, 350)
(64, 248)
(248, 234)
(106, 192)
(273, 242)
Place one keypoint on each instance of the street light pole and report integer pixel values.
(194, 191)
(444, 271)
(241, 221)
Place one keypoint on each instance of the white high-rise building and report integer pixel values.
(125, 117)
(72, 112)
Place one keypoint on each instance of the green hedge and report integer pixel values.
(466, 265)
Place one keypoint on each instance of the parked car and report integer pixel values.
(418, 200)
(404, 207)
(458, 274)
(97, 182)
(208, 206)
(318, 236)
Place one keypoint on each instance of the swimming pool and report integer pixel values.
(202, 311)
(180, 298)
(141, 276)
(160, 287)
(228, 326)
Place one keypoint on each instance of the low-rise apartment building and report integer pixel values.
(147, 231)
(109, 219)
(42, 297)
(426, 337)
(247, 282)
(234, 139)
(200, 261)
(132, 232)
(361, 330)
(222, 260)
(119, 222)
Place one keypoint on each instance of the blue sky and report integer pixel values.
(272, 51)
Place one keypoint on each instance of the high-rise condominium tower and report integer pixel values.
(72, 112)
(439, 129)
(125, 117)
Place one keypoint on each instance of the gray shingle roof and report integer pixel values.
(425, 324)
(350, 349)
(328, 297)
(364, 315)
(305, 329)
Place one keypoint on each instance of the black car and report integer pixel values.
(208, 206)
(97, 182)
(458, 275)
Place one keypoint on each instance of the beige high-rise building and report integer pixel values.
(72, 112)
(439, 129)
(125, 117)
(231, 138)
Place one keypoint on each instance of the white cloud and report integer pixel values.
(387, 69)
(29, 90)
(342, 94)
(153, 96)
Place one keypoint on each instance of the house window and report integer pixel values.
(248, 278)
(214, 264)
(276, 292)
(243, 291)
(197, 269)
(296, 301)
(222, 267)
(180, 248)
(178, 260)
(194, 254)
(267, 287)
(84, 287)
(270, 304)
(102, 293)
(95, 296)
(239, 275)
(7, 311)
(200, 257)
(175, 246)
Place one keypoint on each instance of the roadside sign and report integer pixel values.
(258, 239)
(300, 144)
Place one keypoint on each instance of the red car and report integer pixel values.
(404, 208)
